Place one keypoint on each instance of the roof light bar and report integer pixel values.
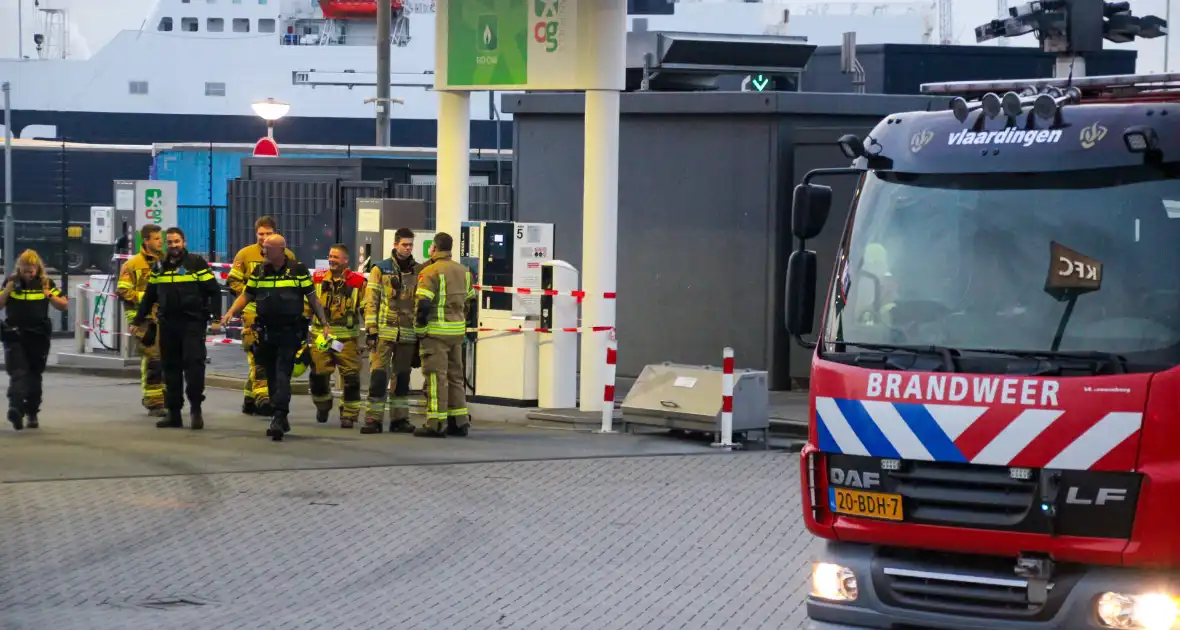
(1134, 82)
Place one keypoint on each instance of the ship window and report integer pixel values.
(266, 25)
(165, 24)
(188, 25)
(215, 25)
(241, 25)
(214, 89)
(137, 87)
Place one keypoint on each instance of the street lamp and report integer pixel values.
(270, 110)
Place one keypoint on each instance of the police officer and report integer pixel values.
(341, 291)
(133, 283)
(257, 399)
(187, 294)
(389, 323)
(279, 288)
(26, 329)
(445, 305)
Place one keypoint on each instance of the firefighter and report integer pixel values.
(341, 291)
(26, 330)
(257, 398)
(279, 288)
(445, 306)
(187, 294)
(133, 283)
(393, 350)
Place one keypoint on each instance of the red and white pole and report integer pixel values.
(608, 388)
(726, 400)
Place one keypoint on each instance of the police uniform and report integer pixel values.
(26, 334)
(187, 296)
(281, 330)
(444, 303)
(389, 315)
(342, 299)
(256, 397)
(133, 283)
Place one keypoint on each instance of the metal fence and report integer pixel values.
(205, 230)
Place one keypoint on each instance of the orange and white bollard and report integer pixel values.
(608, 388)
(726, 438)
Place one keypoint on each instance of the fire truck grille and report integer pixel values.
(957, 494)
(966, 585)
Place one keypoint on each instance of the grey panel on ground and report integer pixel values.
(671, 542)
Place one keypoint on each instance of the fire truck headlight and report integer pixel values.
(1152, 611)
(833, 582)
(1140, 139)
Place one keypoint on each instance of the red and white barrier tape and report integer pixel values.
(545, 330)
(85, 287)
(527, 291)
(726, 438)
(608, 387)
(213, 340)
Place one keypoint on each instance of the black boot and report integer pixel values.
(425, 431)
(456, 429)
(32, 422)
(321, 415)
(265, 410)
(195, 419)
(371, 427)
(17, 419)
(275, 430)
(248, 407)
(171, 421)
(400, 426)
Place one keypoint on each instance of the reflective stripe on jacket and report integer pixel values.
(389, 304)
(446, 286)
(133, 281)
(342, 299)
(247, 260)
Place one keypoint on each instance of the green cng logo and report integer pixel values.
(548, 24)
(487, 33)
(153, 203)
(760, 82)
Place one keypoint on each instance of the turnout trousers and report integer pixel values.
(323, 364)
(256, 388)
(442, 369)
(24, 360)
(389, 360)
(182, 355)
(275, 355)
(151, 370)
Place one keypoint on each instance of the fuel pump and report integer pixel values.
(376, 222)
(504, 368)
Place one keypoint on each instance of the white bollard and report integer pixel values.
(608, 388)
(726, 400)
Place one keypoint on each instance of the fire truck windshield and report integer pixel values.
(1082, 261)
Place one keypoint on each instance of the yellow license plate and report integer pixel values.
(870, 504)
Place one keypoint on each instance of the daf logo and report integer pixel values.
(1105, 495)
(1092, 135)
(855, 479)
(920, 140)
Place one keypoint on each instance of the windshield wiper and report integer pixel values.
(892, 361)
(1117, 362)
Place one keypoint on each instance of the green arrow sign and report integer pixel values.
(760, 82)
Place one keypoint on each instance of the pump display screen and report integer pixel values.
(1055, 261)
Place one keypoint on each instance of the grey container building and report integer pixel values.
(705, 181)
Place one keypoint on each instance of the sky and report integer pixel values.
(95, 21)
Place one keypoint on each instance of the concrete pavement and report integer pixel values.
(111, 523)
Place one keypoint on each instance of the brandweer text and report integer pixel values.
(980, 389)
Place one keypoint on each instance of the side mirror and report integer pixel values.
(800, 292)
(809, 210)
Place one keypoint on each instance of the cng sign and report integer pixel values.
(155, 203)
(547, 27)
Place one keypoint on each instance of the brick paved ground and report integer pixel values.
(688, 539)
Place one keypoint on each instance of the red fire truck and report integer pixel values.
(995, 435)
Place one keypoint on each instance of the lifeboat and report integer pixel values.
(344, 9)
